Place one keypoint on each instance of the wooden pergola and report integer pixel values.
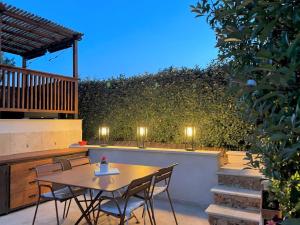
(31, 36)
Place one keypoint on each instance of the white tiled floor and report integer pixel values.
(186, 214)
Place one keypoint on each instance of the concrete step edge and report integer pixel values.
(234, 191)
(233, 213)
(240, 173)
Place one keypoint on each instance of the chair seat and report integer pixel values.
(63, 193)
(111, 207)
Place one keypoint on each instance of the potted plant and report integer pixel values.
(270, 211)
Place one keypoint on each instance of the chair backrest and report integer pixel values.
(165, 174)
(139, 185)
(78, 161)
(49, 169)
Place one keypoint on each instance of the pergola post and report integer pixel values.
(75, 74)
(24, 62)
(1, 10)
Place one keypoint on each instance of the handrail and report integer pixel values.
(24, 90)
(16, 69)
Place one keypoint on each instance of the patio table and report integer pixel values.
(84, 177)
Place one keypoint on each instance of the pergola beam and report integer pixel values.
(23, 28)
(32, 21)
(18, 41)
(13, 51)
(12, 45)
(32, 35)
(16, 34)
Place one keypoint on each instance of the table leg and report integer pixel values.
(84, 212)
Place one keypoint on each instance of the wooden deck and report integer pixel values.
(23, 90)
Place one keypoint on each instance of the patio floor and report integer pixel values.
(186, 215)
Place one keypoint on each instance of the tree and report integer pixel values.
(260, 40)
(6, 61)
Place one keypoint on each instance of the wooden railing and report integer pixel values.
(23, 90)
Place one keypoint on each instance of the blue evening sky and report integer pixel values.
(125, 37)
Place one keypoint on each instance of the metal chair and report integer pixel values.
(161, 185)
(71, 163)
(57, 192)
(75, 162)
(124, 206)
(78, 161)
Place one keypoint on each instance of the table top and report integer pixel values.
(84, 177)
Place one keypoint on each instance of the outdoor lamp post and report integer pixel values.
(189, 135)
(103, 135)
(141, 136)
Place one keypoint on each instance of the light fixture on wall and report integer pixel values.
(141, 135)
(189, 135)
(103, 135)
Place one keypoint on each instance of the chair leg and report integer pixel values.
(91, 197)
(67, 213)
(169, 197)
(151, 201)
(56, 210)
(136, 219)
(86, 204)
(36, 209)
(122, 220)
(144, 210)
(65, 206)
(97, 214)
(149, 214)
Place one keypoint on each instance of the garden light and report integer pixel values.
(103, 135)
(189, 134)
(141, 136)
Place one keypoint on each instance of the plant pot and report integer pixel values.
(269, 207)
(82, 143)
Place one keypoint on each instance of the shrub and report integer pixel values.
(260, 40)
(165, 102)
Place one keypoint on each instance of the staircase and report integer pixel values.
(237, 197)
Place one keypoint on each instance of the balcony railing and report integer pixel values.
(23, 90)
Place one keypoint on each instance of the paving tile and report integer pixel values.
(186, 214)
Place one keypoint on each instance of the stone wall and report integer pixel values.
(29, 135)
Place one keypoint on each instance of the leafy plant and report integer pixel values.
(165, 102)
(260, 40)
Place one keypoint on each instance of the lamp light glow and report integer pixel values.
(141, 136)
(104, 131)
(189, 133)
(142, 131)
(103, 135)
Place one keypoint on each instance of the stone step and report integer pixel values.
(243, 178)
(221, 215)
(237, 197)
(239, 170)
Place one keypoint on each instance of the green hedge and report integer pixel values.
(165, 102)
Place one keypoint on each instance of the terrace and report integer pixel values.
(24, 90)
(147, 138)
